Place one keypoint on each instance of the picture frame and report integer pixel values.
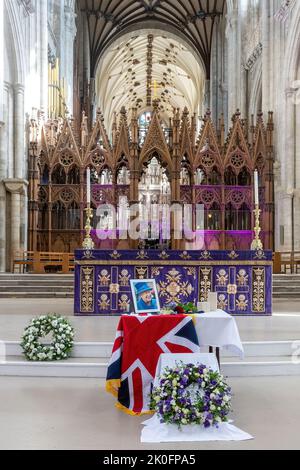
(145, 296)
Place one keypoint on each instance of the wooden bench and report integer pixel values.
(285, 262)
(22, 260)
(41, 262)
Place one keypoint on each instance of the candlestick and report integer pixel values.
(256, 195)
(88, 186)
(88, 243)
(257, 243)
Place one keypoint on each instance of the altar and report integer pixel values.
(241, 279)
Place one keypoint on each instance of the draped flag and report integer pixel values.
(139, 342)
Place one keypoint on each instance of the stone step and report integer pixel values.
(282, 349)
(36, 282)
(27, 289)
(91, 368)
(35, 295)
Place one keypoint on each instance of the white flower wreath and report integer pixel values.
(63, 335)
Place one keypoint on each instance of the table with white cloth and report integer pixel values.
(218, 330)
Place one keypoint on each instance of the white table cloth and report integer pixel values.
(155, 431)
(219, 329)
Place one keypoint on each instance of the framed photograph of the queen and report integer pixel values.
(145, 296)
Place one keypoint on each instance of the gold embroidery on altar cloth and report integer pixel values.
(87, 289)
(124, 277)
(114, 288)
(173, 289)
(242, 302)
(222, 302)
(104, 278)
(104, 302)
(232, 289)
(242, 278)
(222, 278)
(141, 273)
(205, 283)
(258, 290)
(124, 302)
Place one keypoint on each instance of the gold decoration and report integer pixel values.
(257, 243)
(233, 255)
(88, 255)
(104, 278)
(141, 273)
(115, 255)
(155, 272)
(142, 255)
(191, 271)
(174, 288)
(242, 303)
(205, 283)
(260, 254)
(232, 289)
(124, 277)
(124, 303)
(222, 278)
(258, 290)
(103, 302)
(88, 243)
(185, 255)
(205, 255)
(222, 302)
(242, 278)
(87, 289)
(164, 255)
(114, 288)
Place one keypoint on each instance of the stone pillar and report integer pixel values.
(1, 59)
(19, 134)
(233, 48)
(43, 4)
(70, 31)
(2, 228)
(207, 95)
(17, 189)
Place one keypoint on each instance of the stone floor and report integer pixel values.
(78, 414)
(16, 314)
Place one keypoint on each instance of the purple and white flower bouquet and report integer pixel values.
(191, 394)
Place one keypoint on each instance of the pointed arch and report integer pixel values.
(155, 142)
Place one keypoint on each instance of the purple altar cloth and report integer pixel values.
(242, 279)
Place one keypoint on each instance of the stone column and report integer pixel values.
(19, 128)
(234, 65)
(2, 228)
(70, 31)
(44, 54)
(17, 188)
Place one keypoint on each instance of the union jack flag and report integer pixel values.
(140, 340)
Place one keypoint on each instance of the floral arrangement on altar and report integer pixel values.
(179, 308)
(61, 345)
(191, 394)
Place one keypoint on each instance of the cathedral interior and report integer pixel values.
(165, 102)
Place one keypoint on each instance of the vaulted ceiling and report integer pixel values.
(145, 67)
(192, 20)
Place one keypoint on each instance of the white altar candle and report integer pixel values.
(256, 197)
(88, 186)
